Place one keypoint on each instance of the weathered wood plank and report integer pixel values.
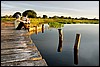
(26, 63)
(17, 49)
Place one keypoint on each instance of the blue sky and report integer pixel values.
(88, 9)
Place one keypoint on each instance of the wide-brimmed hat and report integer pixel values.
(18, 16)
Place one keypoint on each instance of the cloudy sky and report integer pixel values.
(88, 9)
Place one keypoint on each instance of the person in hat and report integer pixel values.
(19, 23)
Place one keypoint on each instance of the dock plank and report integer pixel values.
(17, 48)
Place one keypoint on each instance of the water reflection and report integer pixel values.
(36, 28)
(75, 56)
(56, 25)
(89, 47)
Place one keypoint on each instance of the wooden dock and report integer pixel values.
(17, 48)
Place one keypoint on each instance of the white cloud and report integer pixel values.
(66, 14)
(73, 9)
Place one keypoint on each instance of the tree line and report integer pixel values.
(33, 14)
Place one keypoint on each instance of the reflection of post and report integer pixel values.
(42, 28)
(60, 40)
(36, 31)
(76, 48)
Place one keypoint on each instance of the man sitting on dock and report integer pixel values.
(20, 22)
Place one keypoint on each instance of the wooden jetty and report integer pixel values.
(17, 48)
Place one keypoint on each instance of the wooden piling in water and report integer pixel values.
(60, 40)
(76, 48)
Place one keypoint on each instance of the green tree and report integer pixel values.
(39, 17)
(62, 17)
(55, 17)
(6, 16)
(69, 17)
(44, 16)
(50, 17)
(76, 18)
(10, 16)
(15, 14)
(30, 13)
(65, 17)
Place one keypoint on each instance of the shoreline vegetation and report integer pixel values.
(32, 15)
(53, 20)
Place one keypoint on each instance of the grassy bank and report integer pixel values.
(7, 19)
(64, 21)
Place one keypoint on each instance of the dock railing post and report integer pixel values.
(36, 30)
(42, 28)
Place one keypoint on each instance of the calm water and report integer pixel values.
(47, 44)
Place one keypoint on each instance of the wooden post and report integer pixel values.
(28, 25)
(36, 31)
(76, 48)
(28, 30)
(42, 28)
(60, 40)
